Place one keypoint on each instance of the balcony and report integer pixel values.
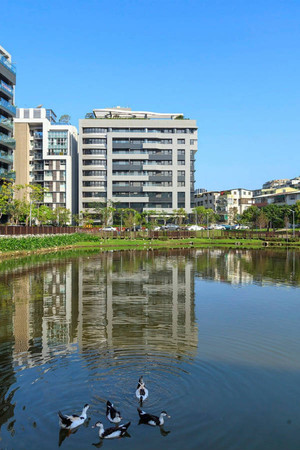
(8, 106)
(7, 174)
(6, 89)
(6, 123)
(6, 157)
(7, 140)
(8, 64)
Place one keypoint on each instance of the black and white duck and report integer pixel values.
(113, 432)
(112, 414)
(72, 421)
(152, 420)
(141, 390)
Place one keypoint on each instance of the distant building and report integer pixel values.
(7, 113)
(46, 154)
(275, 183)
(232, 203)
(280, 196)
(137, 159)
(207, 199)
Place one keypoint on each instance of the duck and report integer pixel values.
(152, 420)
(112, 414)
(72, 421)
(141, 390)
(113, 432)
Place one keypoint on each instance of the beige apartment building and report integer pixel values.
(46, 154)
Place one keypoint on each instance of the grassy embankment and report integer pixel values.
(25, 245)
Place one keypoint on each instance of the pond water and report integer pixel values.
(215, 333)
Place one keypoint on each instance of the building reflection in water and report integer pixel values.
(143, 299)
(109, 300)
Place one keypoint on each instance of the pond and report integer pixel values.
(215, 334)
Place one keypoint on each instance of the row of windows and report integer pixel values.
(126, 162)
(57, 134)
(138, 130)
(94, 162)
(94, 173)
(94, 194)
(152, 195)
(140, 141)
(94, 151)
(94, 141)
(168, 173)
(94, 183)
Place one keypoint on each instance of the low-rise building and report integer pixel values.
(207, 199)
(281, 196)
(232, 203)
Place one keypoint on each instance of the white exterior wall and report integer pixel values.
(144, 156)
(70, 159)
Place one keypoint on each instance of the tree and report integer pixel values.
(179, 215)
(105, 211)
(200, 214)
(61, 215)
(6, 197)
(250, 215)
(262, 220)
(45, 215)
(164, 216)
(131, 218)
(65, 118)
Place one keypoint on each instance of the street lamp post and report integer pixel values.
(293, 212)
(207, 224)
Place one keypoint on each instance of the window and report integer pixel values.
(180, 183)
(94, 183)
(180, 141)
(26, 113)
(94, 173)
(94, 162)
(36, 113)
(94, 141)
(193, 141)
(94, 151)
(94, 130)
(180, 152)
(181, 162)
(94, 194)
(181, 173)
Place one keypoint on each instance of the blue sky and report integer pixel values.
(233, 66)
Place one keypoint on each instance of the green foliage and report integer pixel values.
(37, 242)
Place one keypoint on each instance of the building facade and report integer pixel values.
(207, 199)
(139, 160)
(7, 113)
(280, 197)
(233, 203)
(46, 155)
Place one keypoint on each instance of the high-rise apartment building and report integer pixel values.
(46, 154)
(140, 160)
(7, 112)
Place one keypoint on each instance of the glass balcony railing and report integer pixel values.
(7, 122)
(8, 157)
(10, 66)
(7, 140)
(8, 106)
(7, 174)
(6, 88)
